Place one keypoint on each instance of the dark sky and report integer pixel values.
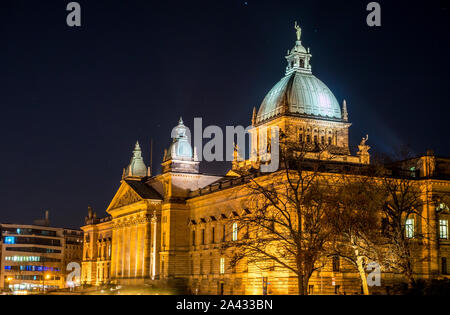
(74, 101)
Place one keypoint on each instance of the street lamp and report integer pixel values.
(45, 277)
(8, 282)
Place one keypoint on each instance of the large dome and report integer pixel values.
(300, 93)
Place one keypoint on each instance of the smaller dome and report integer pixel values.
(137, 166)
(299, 48)
(181, 148)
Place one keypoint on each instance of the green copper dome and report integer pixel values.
(300, 93)
(137, 166)
(181, 148)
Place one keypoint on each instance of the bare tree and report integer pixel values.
(355, 219)
(401, 213)
(285, 221)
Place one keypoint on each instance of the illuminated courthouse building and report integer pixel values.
(169, 229)
(35, 257)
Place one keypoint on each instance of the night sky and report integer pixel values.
(75, 100)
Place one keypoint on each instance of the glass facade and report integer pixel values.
(31, 268)
(33, 250)
(31, 259)
(28, 231)
(31, 240)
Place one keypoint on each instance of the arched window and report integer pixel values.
(302, 63)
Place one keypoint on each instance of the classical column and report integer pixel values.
(147, 248)
(132, 249)
(113, 271)
(122, 251)
(127, 251)
(139, 249)
(155, 247)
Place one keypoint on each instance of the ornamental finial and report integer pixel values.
(298, 30)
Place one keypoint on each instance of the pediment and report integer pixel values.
(125, 196)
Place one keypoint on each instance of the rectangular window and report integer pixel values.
(222, 265)
(444, 266)
(203, 237)
(193, 238)
(336, 264)
(224, 233)
(235, 232)
(443, 229)
(409, 227)
(213, 235)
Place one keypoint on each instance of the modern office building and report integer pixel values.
(35, 257)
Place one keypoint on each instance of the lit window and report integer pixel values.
(222, 265)
(409, 227)
(235, 232)
(10, 240)
(443, 229)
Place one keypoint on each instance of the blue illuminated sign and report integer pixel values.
(10, 240)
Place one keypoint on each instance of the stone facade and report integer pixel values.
(169, 229)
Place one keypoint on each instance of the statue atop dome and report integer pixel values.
(298, 31)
